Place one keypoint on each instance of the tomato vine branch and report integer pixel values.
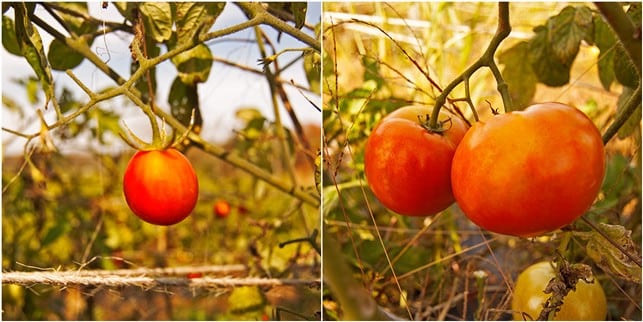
(628, 33)
(486, 60)
(632, 103)
(259, 16)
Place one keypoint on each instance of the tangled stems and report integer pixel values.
(503, 30)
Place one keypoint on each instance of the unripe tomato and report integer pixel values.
(587, 302)
(408, 167)
(160, 187)
(221, 208)
(530, 172)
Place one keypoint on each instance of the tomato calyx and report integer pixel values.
(425, 122)
(567, 276)
(160, 138)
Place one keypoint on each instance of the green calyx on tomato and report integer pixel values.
(160, 186)
(530, 172)
(586, 302)
(407, 166)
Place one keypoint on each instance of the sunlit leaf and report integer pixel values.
(32, 49)
(77, 24)
(194, 65)
(246, 298)
(191, 15)
(312, 66)
(247, 114)
(158, 20)
(566, 30)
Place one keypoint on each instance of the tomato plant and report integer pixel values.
(221, 208)
(587, 302)
(529, 172)
(407, 166)
(160, 186)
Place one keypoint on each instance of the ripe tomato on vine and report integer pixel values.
(407, 165)
(160, 186)
(530, 172)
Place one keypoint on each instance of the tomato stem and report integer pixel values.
(486, 60)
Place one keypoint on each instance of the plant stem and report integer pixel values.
(633, 102)
(628, 33)
(256, 10)
(126, 87)
(502, 31)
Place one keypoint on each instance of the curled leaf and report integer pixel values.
(610, 258)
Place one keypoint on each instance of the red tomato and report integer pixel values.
(221, 208)
(586, 303)
(160, 187)
(530, 172)
(408, 167)
(193, 275)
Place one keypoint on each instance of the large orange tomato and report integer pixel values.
(407, 166)
(587, 302)
(161, 186)
(530, 172)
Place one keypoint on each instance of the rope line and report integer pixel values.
(71, 279)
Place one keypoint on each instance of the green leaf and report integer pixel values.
(190, 15)
(299, 11)
(12, 105)
(106, 122)
(78, 25)
(247, 114)
(54, 233)
(9, 40)
(566, 30)
(518, 74)
(246, 298)
(610, 258)
(194, 65)
(605, 40)
(142, 84)
(634, 121)
(312, 67)
(158, 20)
(183, 99)
(32, 49)
(127, 9)
(624, 68)
(549, 70)
(61, 57)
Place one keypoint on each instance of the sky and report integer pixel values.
(226, 89)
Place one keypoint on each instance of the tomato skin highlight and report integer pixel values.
(160, 186)
(407, 167)
(586, 303)
(531, 172)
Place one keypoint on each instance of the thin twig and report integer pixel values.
(503, 30)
